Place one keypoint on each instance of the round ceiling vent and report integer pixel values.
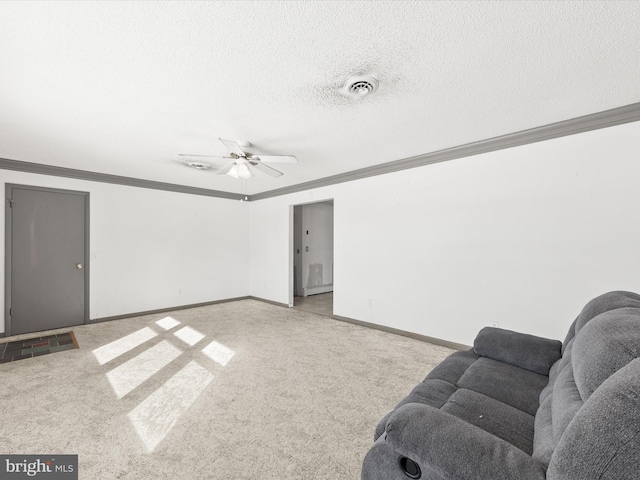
(361, 86)
(198, 165)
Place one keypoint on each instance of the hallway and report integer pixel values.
(321, 303)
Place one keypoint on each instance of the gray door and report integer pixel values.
(47, 240)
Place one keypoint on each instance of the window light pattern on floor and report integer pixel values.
(121, 346)
(218, 353)
(154, 417)
(167, 323)
(139, 369)
(189, 336)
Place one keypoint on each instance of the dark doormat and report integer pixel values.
(34, 347)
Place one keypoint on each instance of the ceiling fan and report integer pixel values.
(242, 163)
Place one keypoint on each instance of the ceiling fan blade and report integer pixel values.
(234, 147)
(276, 158)
(225, 169)
(266, 169)
(203, 156)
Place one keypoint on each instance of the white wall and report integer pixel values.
(153, 249)
(523, 237)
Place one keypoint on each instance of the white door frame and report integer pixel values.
(292, 241)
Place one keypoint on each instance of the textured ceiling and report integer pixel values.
(123, 87)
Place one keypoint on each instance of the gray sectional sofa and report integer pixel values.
(520, 407)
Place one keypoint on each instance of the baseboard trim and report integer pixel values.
(279, 304)
(375, 326)
(164, 310)
(317, 289)
(404, 333)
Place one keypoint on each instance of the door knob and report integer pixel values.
(79, 266)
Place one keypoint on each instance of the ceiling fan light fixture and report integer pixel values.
(240, 162)
(233, 172)
(240, 171)
(244, 172)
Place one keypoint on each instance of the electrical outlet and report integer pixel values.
(370, 303)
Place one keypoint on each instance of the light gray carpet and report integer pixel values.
(266, 393)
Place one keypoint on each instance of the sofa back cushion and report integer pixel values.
(532, 353)
(603, 303)
(605, 345)
(602, 340)
(603, 440)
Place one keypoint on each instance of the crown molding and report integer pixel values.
(595, 121)
(42, 169)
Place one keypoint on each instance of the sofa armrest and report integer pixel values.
(445, 447)
(532, 353)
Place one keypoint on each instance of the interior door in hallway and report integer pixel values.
(46, 259)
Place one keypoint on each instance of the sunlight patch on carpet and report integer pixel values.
(167, 323)
(218, 353)
(112, 350)
(134, 372)
(154, 418)
(189, 335)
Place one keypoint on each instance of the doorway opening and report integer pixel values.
(312, 258)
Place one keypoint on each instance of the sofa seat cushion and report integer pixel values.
(492, 416)
(497, 397)
(514, 386)
(437, 387)
(453, 367)
(433, 392)
(468, 386)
